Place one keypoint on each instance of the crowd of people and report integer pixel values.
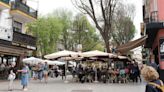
(129, 73)
(108, 73)
(24, 73)
(43, 71)
(40, 71)
(4, 70)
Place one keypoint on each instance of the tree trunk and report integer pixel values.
(107, 46)
(106, 41)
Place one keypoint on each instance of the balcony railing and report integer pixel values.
(24, 39)
(153, 17)
(5, 1)
(24, 8)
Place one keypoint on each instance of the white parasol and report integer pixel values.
(49, 62)
(94, 53)
(122, 57)
(32, 60)
(59, 54)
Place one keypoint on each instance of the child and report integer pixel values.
(11, 78)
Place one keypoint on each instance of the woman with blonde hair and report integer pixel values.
(151, 76)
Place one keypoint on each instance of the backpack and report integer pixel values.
(160, 87)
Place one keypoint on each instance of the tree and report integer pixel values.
(124, 31)
(76, 30)
(123, 25)
(47, 31)
(84, 33)
(102, 15)
(65, 18)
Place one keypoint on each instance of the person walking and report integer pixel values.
(152, 78)
(40, 71)
(63, 74)
(45, 72)
(153, 63)
(24, 76)
(11, 78)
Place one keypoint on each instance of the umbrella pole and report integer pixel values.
(96, 73)
(66, 81)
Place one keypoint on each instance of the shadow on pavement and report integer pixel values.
(6, 90)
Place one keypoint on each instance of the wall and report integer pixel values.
(6, 31)
(161, 10)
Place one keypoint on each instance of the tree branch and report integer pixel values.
(94, 16)
(103, 11)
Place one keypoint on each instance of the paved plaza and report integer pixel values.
(58, 85)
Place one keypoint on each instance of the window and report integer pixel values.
(17, 26)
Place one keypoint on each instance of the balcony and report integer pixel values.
(24, 40)
(23, 12)
(4, 4)
(152, 28)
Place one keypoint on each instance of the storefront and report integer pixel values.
(153, 26)
(155, 42)
(12, 52)
(15, 44)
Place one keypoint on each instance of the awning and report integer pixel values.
(131, 45)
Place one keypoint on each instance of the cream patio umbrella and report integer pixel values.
(111, 55)
(95, 53)
(32, 60)
(49, 62)
(62, 55)
(122, 57)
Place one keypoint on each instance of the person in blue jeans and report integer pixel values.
(151, 76)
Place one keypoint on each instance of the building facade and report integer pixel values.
(153, 26)
(15, 44)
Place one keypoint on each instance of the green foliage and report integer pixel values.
(65, 18)
(84, 33)
(60, 27)
(47, 31)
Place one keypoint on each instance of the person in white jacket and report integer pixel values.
(11, 78)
